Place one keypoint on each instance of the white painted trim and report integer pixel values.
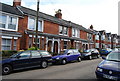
(15, 37)
(7, 37)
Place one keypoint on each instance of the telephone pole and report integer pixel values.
(36, 36)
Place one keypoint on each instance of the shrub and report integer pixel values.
(7, 53)
(33, 48)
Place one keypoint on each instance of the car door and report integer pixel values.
(22, 60)
(76, 54)
(35, 58)
(70, 55)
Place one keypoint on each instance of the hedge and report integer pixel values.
(7, 53)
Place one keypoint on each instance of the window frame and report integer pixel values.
(7, 21)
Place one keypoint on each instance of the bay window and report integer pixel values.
(6, 44)
(65, 45)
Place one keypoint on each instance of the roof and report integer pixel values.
(9, 9)
(27, 11)
(10, 33)
(56, 36)
(101, 32)
(108, 34)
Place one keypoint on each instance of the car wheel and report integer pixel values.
(44, 64)
(6, 69)
(63, 61)
(90, 57)
(79, 59)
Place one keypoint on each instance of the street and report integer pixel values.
(76, 70)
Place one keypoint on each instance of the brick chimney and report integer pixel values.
(58, 14)
(16, 3)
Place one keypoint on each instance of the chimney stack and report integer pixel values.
(16, 3)
(91, 27)
(58, 14)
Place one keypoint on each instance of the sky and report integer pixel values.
(102, 14)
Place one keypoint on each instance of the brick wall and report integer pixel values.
(83, 34)
(22, 26)
(51, 28)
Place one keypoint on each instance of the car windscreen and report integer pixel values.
(113, 56)
(14, 55)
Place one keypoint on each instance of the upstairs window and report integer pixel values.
(3, 19)
(75, 32)
(97, 37)
(103, 37)
(8, 22)
(90, 36)
(32, 24)
(63, 30)
(40, 26)
(12, 23)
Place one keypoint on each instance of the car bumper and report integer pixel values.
(56, 61)
(100, 75)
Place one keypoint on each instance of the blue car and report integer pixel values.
(26, 59)
(105, 51)
(109, 68)
(67, 56)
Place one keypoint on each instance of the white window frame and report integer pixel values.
(96, 37)
(62, 28)
(7, 21)
(75, 32)
(42, 22)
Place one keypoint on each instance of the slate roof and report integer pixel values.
(57, 36)
(27, 11)
(10, 33)
(108, 34)
(9, 9)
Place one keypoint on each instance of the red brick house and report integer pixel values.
(55, 34)
(9, 35)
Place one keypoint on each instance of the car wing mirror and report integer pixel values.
(68, 53)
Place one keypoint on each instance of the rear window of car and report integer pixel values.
(35, 54)
(45, 53)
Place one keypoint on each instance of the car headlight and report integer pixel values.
(57, 58)
(99, 69)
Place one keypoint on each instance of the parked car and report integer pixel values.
(26, 59)
(90, 53)
(109, 68)
(115, 49)
(67, 56)
(105, 51)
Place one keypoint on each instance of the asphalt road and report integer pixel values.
(76, 70)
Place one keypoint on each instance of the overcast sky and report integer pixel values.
(102, 14)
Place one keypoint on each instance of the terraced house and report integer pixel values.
(9, 35)
(54, 33)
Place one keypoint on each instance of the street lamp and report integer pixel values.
(36, 35)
